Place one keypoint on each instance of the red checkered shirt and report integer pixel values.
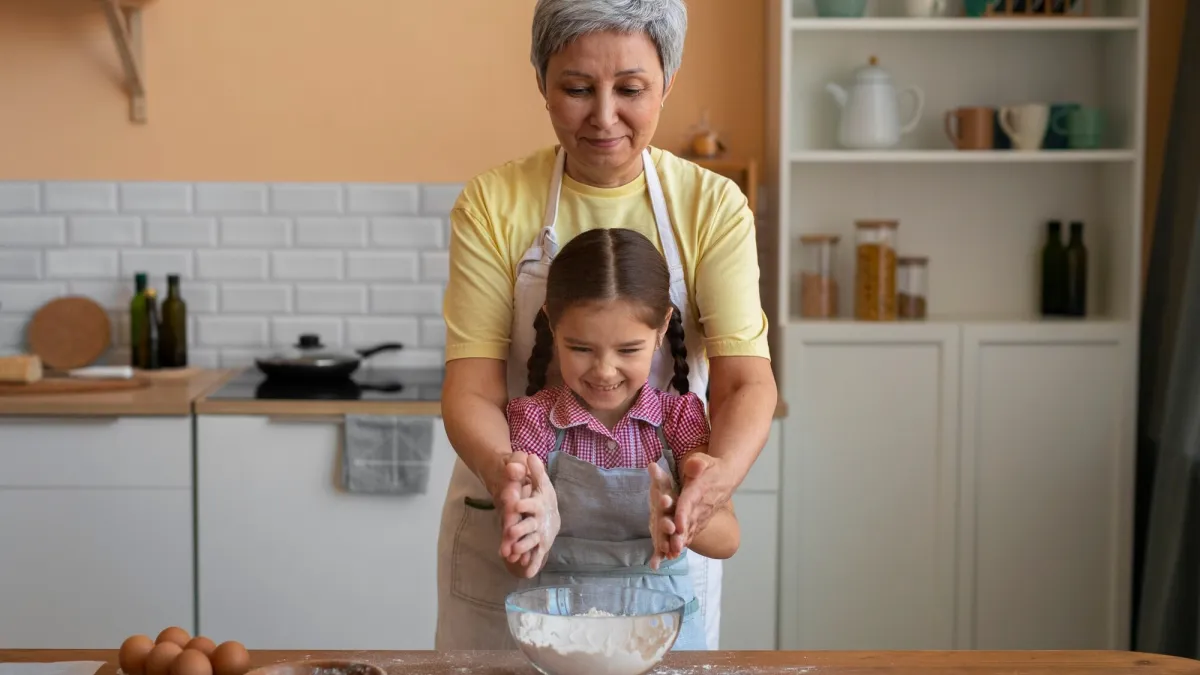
(633, 443)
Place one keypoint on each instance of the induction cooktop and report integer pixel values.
(365, 384)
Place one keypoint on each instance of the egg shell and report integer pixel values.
(191, 662)
(230, 658)
(159, 660)
(173, 634)
(203, 644)
(132, 656)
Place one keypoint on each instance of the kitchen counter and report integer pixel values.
(720, 663)
(169, 394)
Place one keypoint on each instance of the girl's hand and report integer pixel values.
(512, 486)
(535, 532)
(667, 543)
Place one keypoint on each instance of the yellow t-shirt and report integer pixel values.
(499, 215)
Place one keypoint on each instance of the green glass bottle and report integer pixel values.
(138, 336)
(173, 334)
(1054, 272)
(1077, 272)
(153, 330)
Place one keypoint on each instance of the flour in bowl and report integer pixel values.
(575, 645)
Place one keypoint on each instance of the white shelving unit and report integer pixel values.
(964, 481)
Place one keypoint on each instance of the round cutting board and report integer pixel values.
(69, 332)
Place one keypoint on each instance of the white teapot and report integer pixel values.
(871, 110)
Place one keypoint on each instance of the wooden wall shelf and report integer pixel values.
(125, 23)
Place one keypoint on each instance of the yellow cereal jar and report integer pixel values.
(875, 270)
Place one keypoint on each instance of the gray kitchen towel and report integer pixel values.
(387, 454)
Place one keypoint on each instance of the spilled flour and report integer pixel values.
(608, 645)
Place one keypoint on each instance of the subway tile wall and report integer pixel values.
(260, 263)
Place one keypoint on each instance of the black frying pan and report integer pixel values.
(310, 360)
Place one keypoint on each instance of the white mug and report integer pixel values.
(925, 7)
(1025, 124)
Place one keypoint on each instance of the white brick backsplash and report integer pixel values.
(261, 232)
(339, 299)
(407, 232)
(331, 232)
(156, 197)
(243, 358)
(435, 266)
(80, 197)
(306, 265)
(231, 198)
(228, 331)
(12, 332)
(438, 200)
(181, 231)
(204, 358)
(105, 231)
(200, 298)
(433, 332)
(81, 264)
(215, 265)
(28, 297)
(388, 266)
(157, 264)
(409, 358)
(387, 299)
(286, 330)
(32, 231)
(256, 299)
(390, 199)
(19, 198)
(371, 331)
(111, 295)
(310, 198)
(20, 264)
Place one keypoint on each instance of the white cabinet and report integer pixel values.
(97, 530)
(288, 560)
(956, 486)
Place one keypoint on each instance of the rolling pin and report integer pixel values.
(20, 368)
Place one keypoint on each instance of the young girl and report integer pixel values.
(600, 507)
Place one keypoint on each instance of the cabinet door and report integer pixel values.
(1047, 461)
(96, 525)
(869, 483)
(288, 560)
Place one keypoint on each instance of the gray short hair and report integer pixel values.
(556, 23)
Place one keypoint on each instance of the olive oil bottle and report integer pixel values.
(1054, 272)
(138, 357)
(153, 327)
(173, 331)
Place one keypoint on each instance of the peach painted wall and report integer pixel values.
(352, 90)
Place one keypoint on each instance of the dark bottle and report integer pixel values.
(137, 323)
(153, 328)
(1054, 272)
(173, 331)
(1077, 272)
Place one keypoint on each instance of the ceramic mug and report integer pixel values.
(1083, 127)
(1056, 134)
(842, 9)
(1025, 124)
(920, 8)
(971, 128)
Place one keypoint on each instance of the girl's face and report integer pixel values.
(605, 351)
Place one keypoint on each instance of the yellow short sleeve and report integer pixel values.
(479, 292)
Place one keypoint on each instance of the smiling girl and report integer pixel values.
(603, 450)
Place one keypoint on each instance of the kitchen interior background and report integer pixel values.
(300, 157)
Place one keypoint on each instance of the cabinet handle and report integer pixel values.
(306, 419)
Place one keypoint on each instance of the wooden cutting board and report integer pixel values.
(70, 385)
(69, 332)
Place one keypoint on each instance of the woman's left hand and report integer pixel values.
(704, 491)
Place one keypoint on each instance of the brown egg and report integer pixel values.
(132, 656)
(203, 644)
(191, 662)
(159, 660)
(229, 658)
(173, 634)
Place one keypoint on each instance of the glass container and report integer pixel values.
(875, 270)
(912, 286)
(818, 281)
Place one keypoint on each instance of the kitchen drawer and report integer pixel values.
(90, 452)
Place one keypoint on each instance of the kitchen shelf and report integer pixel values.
(960, 156)
(125, 24)
(1036, 24)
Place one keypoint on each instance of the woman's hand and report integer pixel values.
(667, 544)
(705, 490)
(532, 522)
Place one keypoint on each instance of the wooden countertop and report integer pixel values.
(719, 663)
(170, 394)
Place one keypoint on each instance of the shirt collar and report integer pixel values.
(567, 411)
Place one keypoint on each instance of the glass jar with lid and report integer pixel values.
(912, 286)
(875, 270)
(818, 287)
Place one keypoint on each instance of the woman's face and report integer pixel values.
(605, 92)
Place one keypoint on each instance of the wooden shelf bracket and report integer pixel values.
(125, 24)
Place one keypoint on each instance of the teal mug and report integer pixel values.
(1083, 126)
(842, 9)
(976, 7)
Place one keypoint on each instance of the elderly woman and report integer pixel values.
(605, 69)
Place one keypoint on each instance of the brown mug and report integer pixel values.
(971, 128)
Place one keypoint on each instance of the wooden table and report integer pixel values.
(721, 663)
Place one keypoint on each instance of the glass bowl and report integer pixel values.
(594, 628)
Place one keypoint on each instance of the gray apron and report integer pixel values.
(472, 579)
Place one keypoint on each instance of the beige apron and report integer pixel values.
(472, 580)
